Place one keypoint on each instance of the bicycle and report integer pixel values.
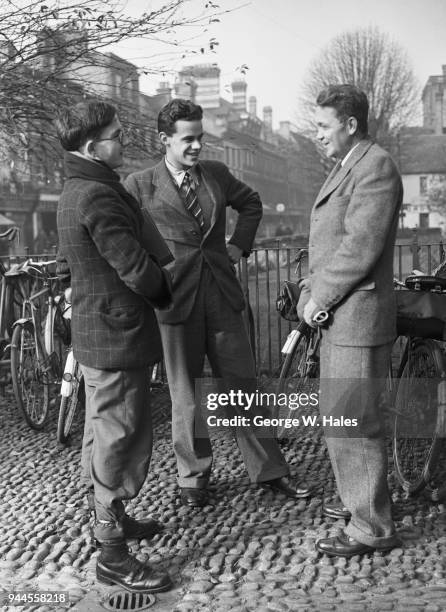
(417, 403)
(72, 392)
(299, 368)
(10, 303)
(37, 344)
(419, 397)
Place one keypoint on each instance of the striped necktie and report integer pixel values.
(190, 198)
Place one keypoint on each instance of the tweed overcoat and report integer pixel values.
(115, 280)
(351, 247)
(154, 188)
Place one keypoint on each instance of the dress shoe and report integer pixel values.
(344, 546)
(336, 511)
(194, 498)
(116, 566)
(282, 485)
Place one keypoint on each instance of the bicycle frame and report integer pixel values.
(30, 307)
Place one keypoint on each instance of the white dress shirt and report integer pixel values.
(178, 175)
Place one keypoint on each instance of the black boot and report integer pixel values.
(133, 529)
(115, 566)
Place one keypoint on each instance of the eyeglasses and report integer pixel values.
(120, 137)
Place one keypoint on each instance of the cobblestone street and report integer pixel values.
(249, 551)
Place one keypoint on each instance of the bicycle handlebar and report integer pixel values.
(39, 267)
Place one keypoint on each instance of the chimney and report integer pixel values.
(239, 95)
(164, 89)
(268, 119)
(252, 105)
(285, 129)
(207, 81)
(185, 89)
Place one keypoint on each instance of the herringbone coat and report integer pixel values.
(352, 237)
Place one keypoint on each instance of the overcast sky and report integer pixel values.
(277, 39)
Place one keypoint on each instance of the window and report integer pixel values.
(424, 220)
(423, 185)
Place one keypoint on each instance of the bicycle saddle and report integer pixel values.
(426, 283)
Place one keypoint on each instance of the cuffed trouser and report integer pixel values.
(117, 443)
(350, 386)
(216, 330)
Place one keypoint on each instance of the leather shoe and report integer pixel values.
(336, 511)
(282, 485)
(194, 498)
(344, 546)
(132, 575)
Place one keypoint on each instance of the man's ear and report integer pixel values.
(89, 147)
(352, 125)
(164, 138)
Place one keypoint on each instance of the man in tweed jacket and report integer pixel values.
(205, 319)
(352, 236)
(106, 252)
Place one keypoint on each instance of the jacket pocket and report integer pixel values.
(122, 317)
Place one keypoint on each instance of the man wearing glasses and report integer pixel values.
(107, 253)
(188, 201)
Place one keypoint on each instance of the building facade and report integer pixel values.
(283, 166)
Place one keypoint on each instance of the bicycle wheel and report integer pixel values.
(297, 375)
(416, 445)
(29, 378)
(69, 405)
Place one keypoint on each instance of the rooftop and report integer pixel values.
(422, 153)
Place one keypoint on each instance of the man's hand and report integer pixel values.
(311, 308)
(234, 253)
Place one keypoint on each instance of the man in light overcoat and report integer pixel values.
(352, 236)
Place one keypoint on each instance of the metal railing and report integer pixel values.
(263, 273)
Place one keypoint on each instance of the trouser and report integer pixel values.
(216, 330)
(350, 383)
(117, 443)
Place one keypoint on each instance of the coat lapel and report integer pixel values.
(215, 194)
(339, 172)
(165, 190)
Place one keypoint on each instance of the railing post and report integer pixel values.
(247, 313)
(414, 247)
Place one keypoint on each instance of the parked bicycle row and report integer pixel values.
(35, 340)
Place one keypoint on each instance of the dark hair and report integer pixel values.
(176, 110)
(82, 121)
(348, 101)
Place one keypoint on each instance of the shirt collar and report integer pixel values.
(178, 175)
(344, 160)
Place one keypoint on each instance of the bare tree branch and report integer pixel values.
(55, 52)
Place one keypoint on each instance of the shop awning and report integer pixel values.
(5, 221)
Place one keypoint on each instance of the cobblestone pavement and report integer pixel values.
(250, 551)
